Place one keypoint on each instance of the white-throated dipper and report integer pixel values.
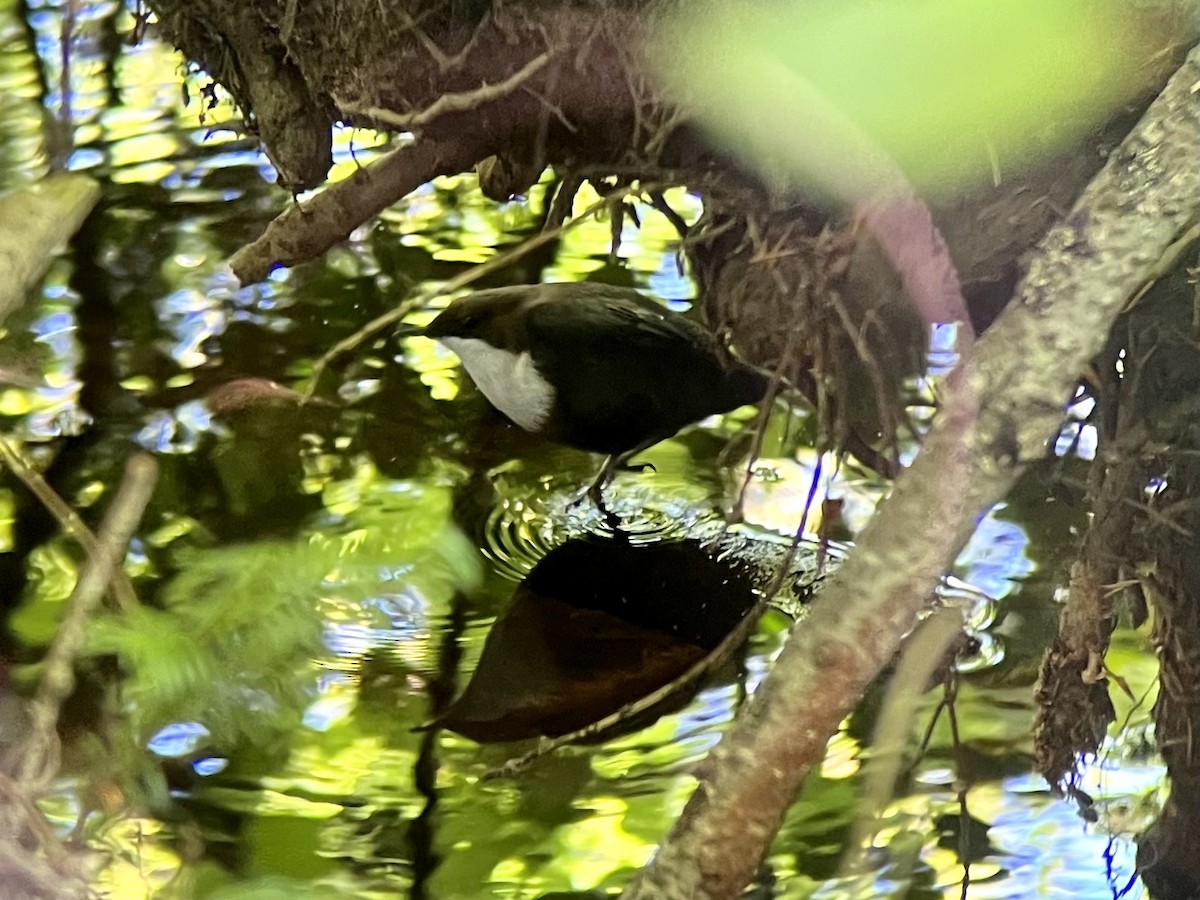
(599, 368)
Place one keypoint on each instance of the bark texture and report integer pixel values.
(1139, 556)
(511, 89)
(1002, 410)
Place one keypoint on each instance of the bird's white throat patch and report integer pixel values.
(509, 380)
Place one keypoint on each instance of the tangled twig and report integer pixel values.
(453, 102)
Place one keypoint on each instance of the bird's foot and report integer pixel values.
(594, 494)
(635, 467)
(595, 491)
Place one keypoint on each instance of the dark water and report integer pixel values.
(311, 576)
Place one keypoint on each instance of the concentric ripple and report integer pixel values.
(515, 537)
(532, 520)
(979, 614)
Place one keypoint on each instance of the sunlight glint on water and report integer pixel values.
(179, 199)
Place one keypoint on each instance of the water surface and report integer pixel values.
(311, 577)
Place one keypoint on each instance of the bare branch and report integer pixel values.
(1079, 278)
(58, 678)
(305, 231)
(445, 61)
(452, 103)
(923, 654)
(68, 520)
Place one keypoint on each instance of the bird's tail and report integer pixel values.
(746, 385)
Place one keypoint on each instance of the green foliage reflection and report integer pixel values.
(239, 626)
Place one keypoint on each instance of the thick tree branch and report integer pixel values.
(999, 411)
(35, 222)
(307, 230)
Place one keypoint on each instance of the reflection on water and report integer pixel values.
(307, 571)
(529, 520)
(597, 625)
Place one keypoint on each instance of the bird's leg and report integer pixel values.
(595, 492)
(613, 463)
(618, 462)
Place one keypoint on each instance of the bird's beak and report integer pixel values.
(405, 329)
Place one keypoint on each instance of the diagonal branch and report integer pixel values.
(305, 231)
(999, 410)
(58, 677)
(68, 520)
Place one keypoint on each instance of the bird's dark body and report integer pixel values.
(626, 372)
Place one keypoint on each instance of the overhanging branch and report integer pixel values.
(998, 412)
(305, 231)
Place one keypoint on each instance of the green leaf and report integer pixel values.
(831, 93)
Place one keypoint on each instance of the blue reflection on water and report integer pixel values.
(210, 765)
(1042, 842)
(325, 712)
(995, 556)
(178, 739)
(671, 285)
(942, 354)
(176, 432)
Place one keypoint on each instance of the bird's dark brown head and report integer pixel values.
(495, 316)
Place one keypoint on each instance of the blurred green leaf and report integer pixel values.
(832, 93)
(217, 885)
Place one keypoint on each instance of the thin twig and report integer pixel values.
(923, 653)
(445, 61)
(761, 419)
(68, 520)
(697, 672)
(1170, 257)
(14, 798)
(564, 199)
(33, 858)
(58, 675)
(454, 103)
(964, 814)
(659, 202)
